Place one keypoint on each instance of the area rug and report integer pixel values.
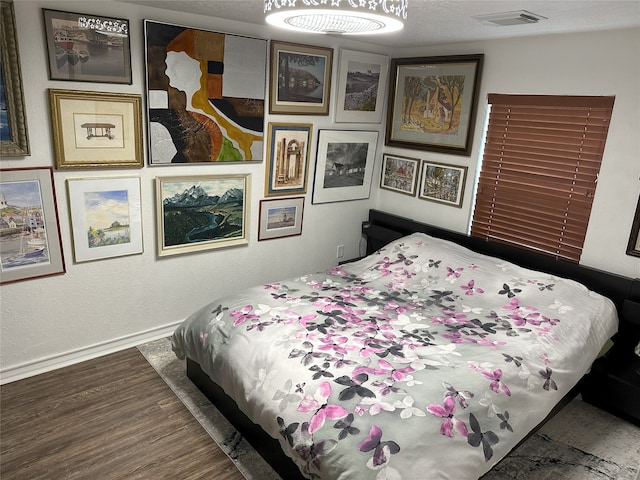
(580, 443)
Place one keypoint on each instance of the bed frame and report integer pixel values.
(617, 375)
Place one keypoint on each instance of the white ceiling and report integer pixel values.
(433, 22)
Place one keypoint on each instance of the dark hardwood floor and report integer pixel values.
(108, 418)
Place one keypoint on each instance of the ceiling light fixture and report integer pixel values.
(348, 17)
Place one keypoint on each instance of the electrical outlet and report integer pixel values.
(340, 251)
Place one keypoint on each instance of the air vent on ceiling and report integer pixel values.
(506, 19)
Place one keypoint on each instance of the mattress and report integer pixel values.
(422, 360)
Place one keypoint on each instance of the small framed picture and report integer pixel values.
(362, 86)
(442, 183)
(633, 248)
(280, 217)
(202, 212)
(87, 48)
(106, 217)
(96, 129)
(300, 79)
(344, 165)
(288, 148)
(399, 174)
(30, 244)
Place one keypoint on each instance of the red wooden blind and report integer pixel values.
(539, 170)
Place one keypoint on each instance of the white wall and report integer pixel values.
(101, 306)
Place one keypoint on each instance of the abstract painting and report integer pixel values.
(205, 95)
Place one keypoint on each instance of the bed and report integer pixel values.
(431, 357)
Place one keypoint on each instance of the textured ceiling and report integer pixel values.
(433, 22)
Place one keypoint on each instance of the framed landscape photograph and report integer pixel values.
(280, 217)
(205, 95)
(202, 212)
(106, 217)
(432, 103)
(399, 174)
(14, 136)
(633, 248)
(30, 244)
(96, 129)
(300, 79)
(344, 165)
(288, 148)
(87, 48)
(442, 183)
(362, 86)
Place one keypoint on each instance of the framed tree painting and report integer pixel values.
(442, 183)
(288, 148)
(362, 85)
(31, 244)
(300, 79)
(202, 212)
(106, 217)
(432, 103)
(87, 48)
(344, 165)
(205, 95)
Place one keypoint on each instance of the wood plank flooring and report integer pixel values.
(108, 418)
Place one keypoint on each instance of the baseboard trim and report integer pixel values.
(53, 362)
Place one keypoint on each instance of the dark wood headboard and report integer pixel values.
(382, 228)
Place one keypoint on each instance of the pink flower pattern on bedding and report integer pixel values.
(423, 360)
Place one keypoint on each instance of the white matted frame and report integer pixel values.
(280, 217)
(288, 146)
(96, 129)
(202, 212)
(344, 165)
(362, 85)
(106, 217)
(443, 183)
(31, 246)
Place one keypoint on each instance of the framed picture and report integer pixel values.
(96, 129)
(399, 174)
(202, 212)
(281, 217)
(300, 79)
(14, 136)
(344, 165)
(442, 183)
(432, 103)
(205, 95)
(634, 238)
(106, 217)
(87, 48)
(30, 244)
(362, 85)
(288, 158)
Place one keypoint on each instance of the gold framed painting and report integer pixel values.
(96, 129)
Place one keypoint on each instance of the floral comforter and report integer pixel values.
(421, 361)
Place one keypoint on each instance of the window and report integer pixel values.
(539, 170)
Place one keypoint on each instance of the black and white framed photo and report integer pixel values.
(280, 217)
(344, 165)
